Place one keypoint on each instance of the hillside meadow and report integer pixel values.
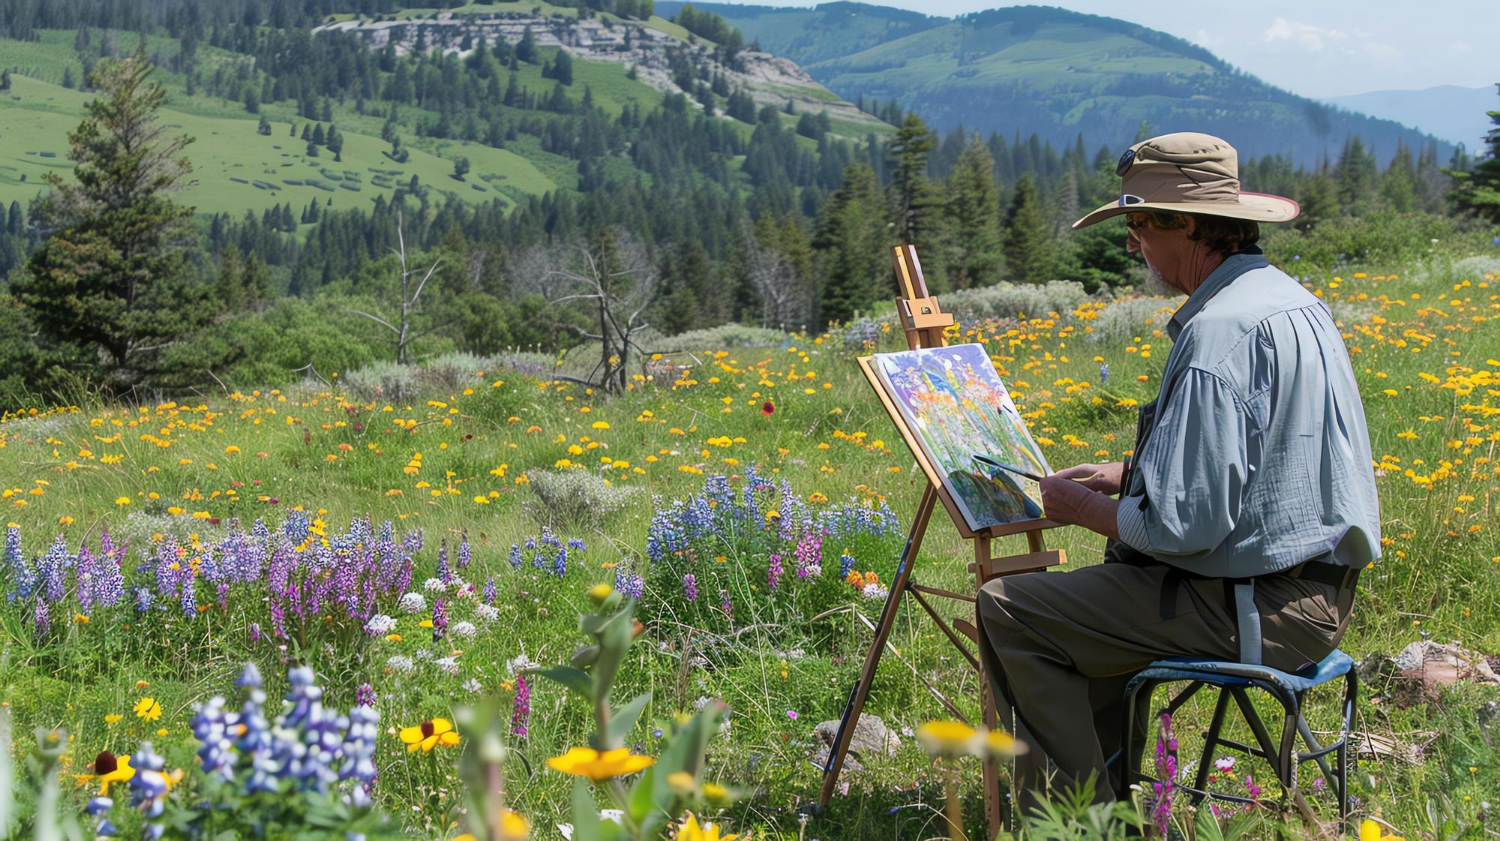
(696, 467)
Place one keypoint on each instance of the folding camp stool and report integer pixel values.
(1232, 680)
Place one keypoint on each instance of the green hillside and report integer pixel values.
(238, 169)
(1057, 73)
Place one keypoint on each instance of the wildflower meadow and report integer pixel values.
(372, 602)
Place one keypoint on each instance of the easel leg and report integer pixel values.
(856, 704)
(990, 778)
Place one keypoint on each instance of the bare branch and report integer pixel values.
(375, 319)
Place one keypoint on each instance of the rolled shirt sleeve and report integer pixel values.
(1192, 472)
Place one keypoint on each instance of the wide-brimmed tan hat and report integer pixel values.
(1188, 172)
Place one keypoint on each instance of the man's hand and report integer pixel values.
(1067, 501)
(1103, 478)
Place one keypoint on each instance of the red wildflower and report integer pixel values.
(767, 408)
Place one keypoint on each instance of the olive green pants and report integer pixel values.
(1062, 647)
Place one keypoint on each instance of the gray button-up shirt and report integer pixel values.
(1254, 456)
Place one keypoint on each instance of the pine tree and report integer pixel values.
(1398, 184)
(851, 238)
(526, 47)
(562, 67)
(114, 281)
(264, 127)
(1030, 251)
(1355, 176)
(909, 151)
(974, 218)
(1477, 190)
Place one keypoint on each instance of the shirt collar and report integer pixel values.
(1233, 266)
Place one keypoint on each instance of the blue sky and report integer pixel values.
(1312, 47)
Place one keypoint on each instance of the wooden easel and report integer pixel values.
(924, 323)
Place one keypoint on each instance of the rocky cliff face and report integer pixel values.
(768, 79)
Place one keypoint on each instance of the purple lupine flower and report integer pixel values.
(86, 572)
(210, 727)
(22, 579)
(42, 617)
(109, 581)
(515, 556)
(255, 633)
(465, 554)
(148, 789)
(576, 544)
(726, 605)
(846, 565)
(1251, 789)
(53, 570)
(358, 749)
(489, 591)
(1166, 770)
(809, 556)
(364, 695)
(1103, 373)
(560, 563)
(521, 713)
(188, 600)
(439, 620)
(690, 587)
(143, 599)
(98, 808)
(630, 585)
(442, 567)
(773, 574)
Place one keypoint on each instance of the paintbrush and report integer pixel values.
(1016, 470)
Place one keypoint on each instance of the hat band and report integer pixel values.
(1177, 184)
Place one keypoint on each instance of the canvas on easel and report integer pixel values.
(949, 404)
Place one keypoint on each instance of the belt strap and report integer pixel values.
(1247, 620)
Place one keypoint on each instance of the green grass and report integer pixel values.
(37, 117)
(1424, 345)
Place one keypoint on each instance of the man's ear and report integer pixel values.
(1192, 225)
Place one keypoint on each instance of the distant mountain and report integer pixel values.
(1451, 112)
(1054, 72)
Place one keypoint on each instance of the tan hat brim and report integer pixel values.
(1256, 207)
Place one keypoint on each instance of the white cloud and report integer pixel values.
(1208, 40)
(1309, 37)
(1460, 47)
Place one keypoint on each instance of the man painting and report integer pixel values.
(1247, 506)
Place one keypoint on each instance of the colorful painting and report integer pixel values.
(955, 405)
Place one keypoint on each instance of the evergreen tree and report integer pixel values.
(264, 127)
(1355, 176)
(1398, 184)
(974, 218)
(916, 203)
(114, 282)
(1477, 190)
(252, 100)
(1030, 251)
(1319, 199)
(16, 223)
(562, 67)
(526, 47)
(851, 239)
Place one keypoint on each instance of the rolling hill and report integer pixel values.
(237, 169)
(1054, 72)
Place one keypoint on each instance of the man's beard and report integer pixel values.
(1157, 285)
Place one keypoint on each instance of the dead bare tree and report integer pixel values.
(408, 298)
(612, 279)
(784, 299)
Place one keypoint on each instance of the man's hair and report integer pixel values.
(1219, 233)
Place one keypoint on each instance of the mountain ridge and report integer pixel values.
(1059, 73)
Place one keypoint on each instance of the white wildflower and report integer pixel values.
(462, 630)
(875, 591)
(435, 585)
(400, 663)
(413, 603)
(380, 625)
(487, 612)
(472, 685)
(447, 664)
